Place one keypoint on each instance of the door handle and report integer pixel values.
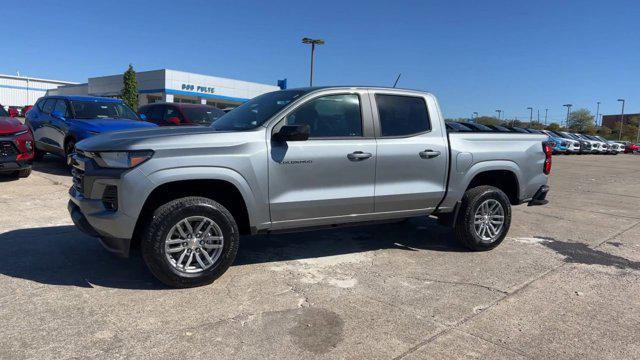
(428, 154)
(358, 156)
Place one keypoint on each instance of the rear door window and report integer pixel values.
(48, 106)
(402, 115)
(61, 106)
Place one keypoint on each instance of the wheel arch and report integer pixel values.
(505, 179)
(222, 191)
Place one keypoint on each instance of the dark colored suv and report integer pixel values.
(174, 114)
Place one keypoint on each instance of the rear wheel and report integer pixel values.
(190, 242)
(484, 218)
(23, 173)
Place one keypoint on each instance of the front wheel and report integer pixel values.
(484, 218)
(190, 242)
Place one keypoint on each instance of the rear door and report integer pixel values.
(59, 127)
(331, 175)
(43, 133)
(412, 152)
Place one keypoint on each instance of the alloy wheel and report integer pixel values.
(194, 244)
(489, 220)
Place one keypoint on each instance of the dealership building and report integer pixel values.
(172, 86)
(23, 90)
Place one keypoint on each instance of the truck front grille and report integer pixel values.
(7, 149)
(78, 180)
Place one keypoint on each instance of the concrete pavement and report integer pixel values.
(564, 284)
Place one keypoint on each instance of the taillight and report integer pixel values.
(548, 150)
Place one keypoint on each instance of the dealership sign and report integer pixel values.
(198, 88)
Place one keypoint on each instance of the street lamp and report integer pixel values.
(545, 116)
(530, 114)
(597, 112)
(566, 122)
(313, 43)
(499, 111)
(621, 119)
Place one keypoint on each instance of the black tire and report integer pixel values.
(464, 229)
(164, 218)
(23, 173)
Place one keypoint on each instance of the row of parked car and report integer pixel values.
(563, 142)
(56, 123)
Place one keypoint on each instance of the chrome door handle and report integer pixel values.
(358, 156)
(428, 154)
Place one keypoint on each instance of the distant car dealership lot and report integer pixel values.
(564, 284)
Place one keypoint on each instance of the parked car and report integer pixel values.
(59, 122)
(25, 110)
(573, 144)
(561, 145)
(16, 146)
(298, 159)
(614, 147)
(454, 126)
(601, 147)
(13, 111)
(478, 127)
(174, 114)
(499, 128)
(631, 148)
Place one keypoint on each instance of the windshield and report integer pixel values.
(202, 115)
(3, 112)
(102, 110)
(256, 111)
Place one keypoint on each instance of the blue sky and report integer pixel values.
(474, 55)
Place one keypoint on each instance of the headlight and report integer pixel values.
(122, 159)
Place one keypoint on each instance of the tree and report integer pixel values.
(488, 120)
(605, 132)
(130, 89)
(581, 121)
(537, 125)
(553, 127)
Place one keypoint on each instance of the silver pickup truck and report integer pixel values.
(298, 159)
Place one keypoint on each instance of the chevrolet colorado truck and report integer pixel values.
(298, 159)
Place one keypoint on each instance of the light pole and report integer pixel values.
(566, 122)
(530, 114)
(313, 43)
(545, 116)
(621, 120)
(499, 111)
(597, 112)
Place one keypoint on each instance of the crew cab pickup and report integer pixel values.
(298, 159)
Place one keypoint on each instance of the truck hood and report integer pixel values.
(9, 125)
(157, 138)
(106, 125)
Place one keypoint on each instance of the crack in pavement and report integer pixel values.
(507, 296)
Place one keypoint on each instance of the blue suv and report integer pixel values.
(59, 122)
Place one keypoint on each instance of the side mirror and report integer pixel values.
(173, 120)
(57, 115)
(143, 117)
(292, 133)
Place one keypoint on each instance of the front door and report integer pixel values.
(331, 175)
(412, 154)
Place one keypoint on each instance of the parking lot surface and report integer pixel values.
(564, 284)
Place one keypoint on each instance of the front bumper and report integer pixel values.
(118, 246)
(539, 198)
(89, 211)
(14, 165)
